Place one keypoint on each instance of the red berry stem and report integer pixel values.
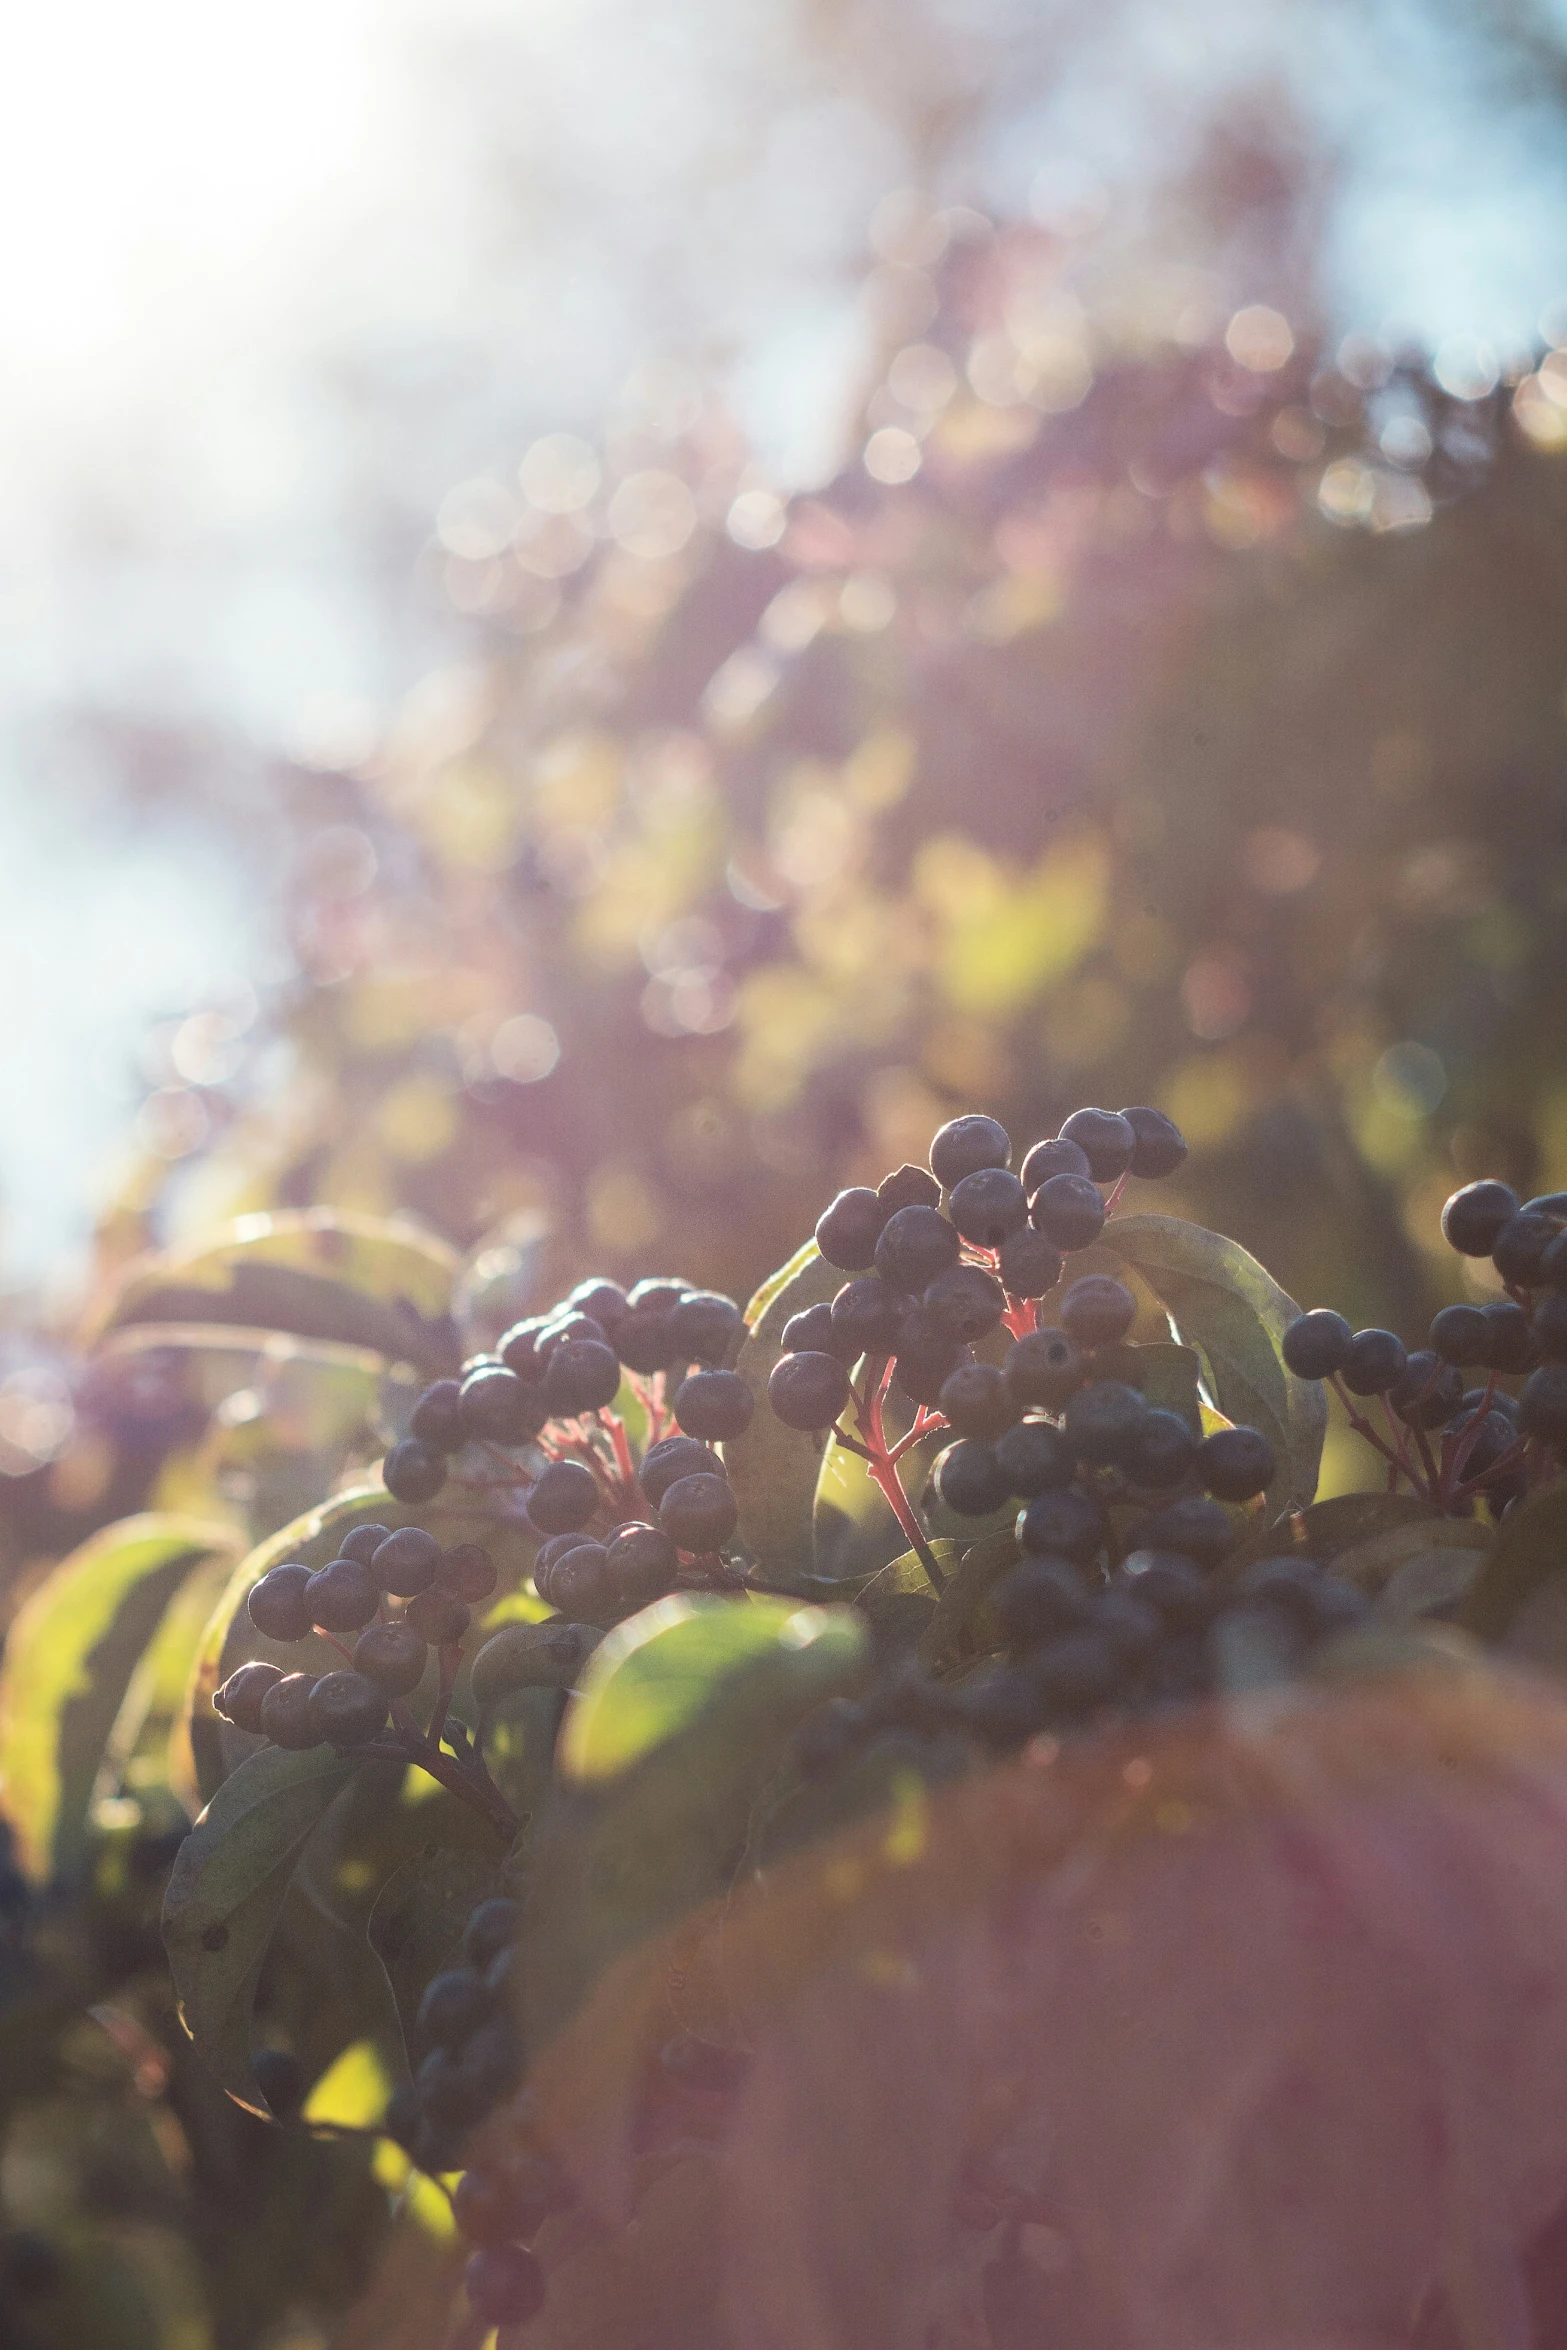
(1362, 1427)
(881, 1462)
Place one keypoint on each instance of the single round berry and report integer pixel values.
(1052, 1158)
(604, 1299)
(500, 1408)
(285, 1713)
(1097, 1311)
(1317, 1344)
(561, 1329)
(1039, 1599)
(641, 1564)
(468, 1570)
(449, 2093)
(1027, 1264)
(437, 1420)
(493, 2062)
(490, 1928)
(988, 1206)
(709, 1328)
(1064, 1523)
(276, 1605)
(1160, 1146)
(964, 1303)
(505, 2284)
(659, 1293)
(438, 1616)
(1542, 1403)
(363, 1543)
(1375, 1359)
(848, 1229)
(392, 1656)
(342, 1597)
(1162, 1451)
(1474, 1216)
(925, 1363)
(578, 1585)
(1427, 1391)
(1069, 1210)
(1235, 1463)
(1103, 1421)
(563, 1497)
(281, 2079)
(808, 1390)
(977, 1401)
(672, 1457)
(453, 2006)
(714, 1404)
(582, 1375)
(1553, 1265)
(1198, 1529)
(549, 1555)
(407, 1562)
(1125, 1618)
(1459, 1335)
(1034, 1457)
(519, 1349)
(907, 1187)
(969, 1481)
(1550, 1326)
(239, 1699)
(699, 1513)
(1285, 1582)
(866, 1313)
(347, 1707)
(964, 1145)
(1043, 1368)
(1170, 1585)
(645, 1339)
(412, 1473)
(810, 1332)
(915, 1245)
(1509, 1338)
(1519, 1250)
(1107, 1139)
(1076, 1672)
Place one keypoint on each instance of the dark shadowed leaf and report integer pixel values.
(1527, 1564)
(226, 1890)
(959, 1626)
(417, 1923)
(69, 1661)
(1225, 1304)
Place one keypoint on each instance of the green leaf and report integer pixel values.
(614, 1860)
(957, 1628)
(417, 1923)
(226, 1890)
(1231, 1309)
(69, 1660)
(773, 1469)
(364, 1281)
(898, 1599)
(1169, 1376)
(1329, 1528)
(854, 1529)
(1525, 1572)
(654, 1674)
(1381, 1561)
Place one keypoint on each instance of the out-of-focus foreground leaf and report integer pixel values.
(1243, 2028)
(70, 1658)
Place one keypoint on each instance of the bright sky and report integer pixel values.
(210, 217)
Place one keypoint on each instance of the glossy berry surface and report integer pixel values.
(964, 1145)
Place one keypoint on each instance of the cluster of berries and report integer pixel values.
(1085, 1638)
(1454, 1441)
(928, 1283)
(471, 2059)
(554, 1376)
(438, 1590)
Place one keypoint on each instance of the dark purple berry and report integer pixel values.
(1160, 1146)
(1103, 1422)
(500, 1408)
(907, 1187)
(239, 1699)
(964, 1303)
(277, 1606)
(363, 1543)
(915, 1245)
(1235, 1463)
(966, 1144)
(1162, 1451)
(582, 1375)
(563, 1497)
(453, 2006)
(1069, 1210)
(437, 1421)
(1106, 1137)
(1459, 1334)
(392, 1656)
(1475, 1215)
(1052, 1158)
(347, 1707)
(285, 1713)
(699, 1513)
(468, 1570)
(1317, 1344)
(1097, 1311)
(988, 1206)
(641, 1564)
(866, 1314)
(709, 1328)
(412, 1474)
(969, 1481)
(1198, 1529)
(1063, 1523)
(1027, 1264)
(1519, 1250)
(714, 1404)
(847, 1231)
(438, 1616)
(1034, 1458)
(1039, 1599)
(1427, 1391)
(672, 1457)
(1375, 1359)
(808, 1391)
(342, 1597)
(406, 1562)
(1542, 1403)
(490, 1928)
(977, 1401)
(1043, 1368)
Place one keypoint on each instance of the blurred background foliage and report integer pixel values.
(1159, 697)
